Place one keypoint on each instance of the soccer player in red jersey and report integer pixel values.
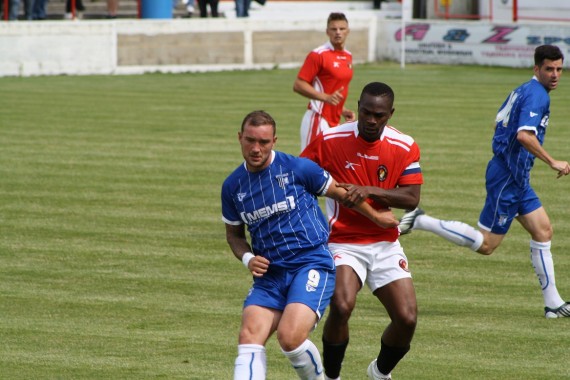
(324, 79)
(382, 164)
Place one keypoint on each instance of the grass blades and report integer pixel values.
(113, 260)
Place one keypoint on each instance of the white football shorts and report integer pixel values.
(312, 125)
(375, 264)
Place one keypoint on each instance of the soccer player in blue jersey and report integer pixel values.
(274, 194)
(519, 134)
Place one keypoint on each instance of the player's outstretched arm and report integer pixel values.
(383, 218)
(402, 197)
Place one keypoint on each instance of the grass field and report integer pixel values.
(113, 260)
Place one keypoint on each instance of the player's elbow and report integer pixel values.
(410, 197)
(296, 85)
(413, 203)
(296, 88)
(300, 86)
(524, 137)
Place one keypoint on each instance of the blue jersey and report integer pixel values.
(526, 108)
(280, 208)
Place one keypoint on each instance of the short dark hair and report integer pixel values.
(258, 118)
(550, 52)
(336, 16)
(378, 89)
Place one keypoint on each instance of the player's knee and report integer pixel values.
(244, 337)
(545, 234)
(247, 336)
(408, 320)
(341, 309)
(290, 340)
(486, 248)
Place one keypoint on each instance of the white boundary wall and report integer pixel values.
(54, 47)
(91, 47)
(29, 48)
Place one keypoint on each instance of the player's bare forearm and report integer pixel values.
(383, 218)
(304, 88)
(529, 141)
(404, 197)
(235, 236)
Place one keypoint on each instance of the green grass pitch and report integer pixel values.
(113, 260)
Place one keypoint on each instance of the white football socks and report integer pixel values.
(455, 232)
(306, 360)
(541, 259)
(251, 362)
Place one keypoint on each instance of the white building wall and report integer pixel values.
(91, 47)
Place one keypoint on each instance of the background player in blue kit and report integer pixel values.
(519, 134)
(274, 194)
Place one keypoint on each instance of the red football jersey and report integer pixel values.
(387, 163)
(328, 70)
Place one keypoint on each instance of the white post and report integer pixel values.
(406, 16)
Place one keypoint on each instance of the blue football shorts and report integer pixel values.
(310, 285)
(505, 200)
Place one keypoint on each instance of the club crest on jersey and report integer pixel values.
(404, 265)
(241, 196)
(502, 220)
(382, 173)
(282, 180)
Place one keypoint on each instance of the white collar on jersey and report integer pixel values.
(272, 159)
(356, 131)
